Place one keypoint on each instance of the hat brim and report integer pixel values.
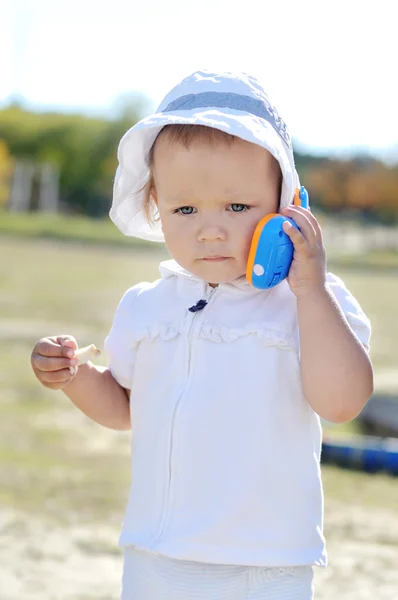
(127, 211)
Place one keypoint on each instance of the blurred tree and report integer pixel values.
(328, 183)
(374, 191)
(363, 185)
(6, 165)
(83, 149)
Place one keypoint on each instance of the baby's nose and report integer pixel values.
(211, 232)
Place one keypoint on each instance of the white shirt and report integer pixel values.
(225, 447)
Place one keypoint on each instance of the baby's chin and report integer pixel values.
(218, 273)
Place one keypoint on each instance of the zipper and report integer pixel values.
(209, 293)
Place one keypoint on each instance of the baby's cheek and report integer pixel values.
(172, 232)
(180, 246)
(247, 238)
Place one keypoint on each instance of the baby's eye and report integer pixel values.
(185, 210)
(239, 207)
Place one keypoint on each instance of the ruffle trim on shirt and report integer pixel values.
(220, 334)
(164, 332)
(267, 335)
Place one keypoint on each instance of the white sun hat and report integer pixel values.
(235, 103)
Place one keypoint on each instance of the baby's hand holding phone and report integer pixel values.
(308, 268)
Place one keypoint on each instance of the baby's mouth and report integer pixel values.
(215, 258)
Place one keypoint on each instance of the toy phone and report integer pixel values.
(271, 251)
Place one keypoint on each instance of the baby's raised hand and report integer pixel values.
(308, 269)
(53, 361)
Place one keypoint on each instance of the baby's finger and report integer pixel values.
(309, 215)
(68, 341)
(50, 347)
(317, 228)
(297, 238)
(301, 217)
(45, 363)
(61, 376)
(57, 376)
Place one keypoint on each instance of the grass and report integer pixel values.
(380, 260)
(49, 462)
(65, 228)
(353, 487)
(377, 291)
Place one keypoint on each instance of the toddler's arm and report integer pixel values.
(92, 389)
(336, 370)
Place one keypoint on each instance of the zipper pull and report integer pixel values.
(202, 303)
(198, 306)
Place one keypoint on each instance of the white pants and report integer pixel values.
(148, 576)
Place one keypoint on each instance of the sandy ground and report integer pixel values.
(42, 562)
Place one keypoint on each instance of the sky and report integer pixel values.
(330, 67)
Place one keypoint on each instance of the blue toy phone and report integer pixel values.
(271, 250)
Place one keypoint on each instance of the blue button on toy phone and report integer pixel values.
(271, 251)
